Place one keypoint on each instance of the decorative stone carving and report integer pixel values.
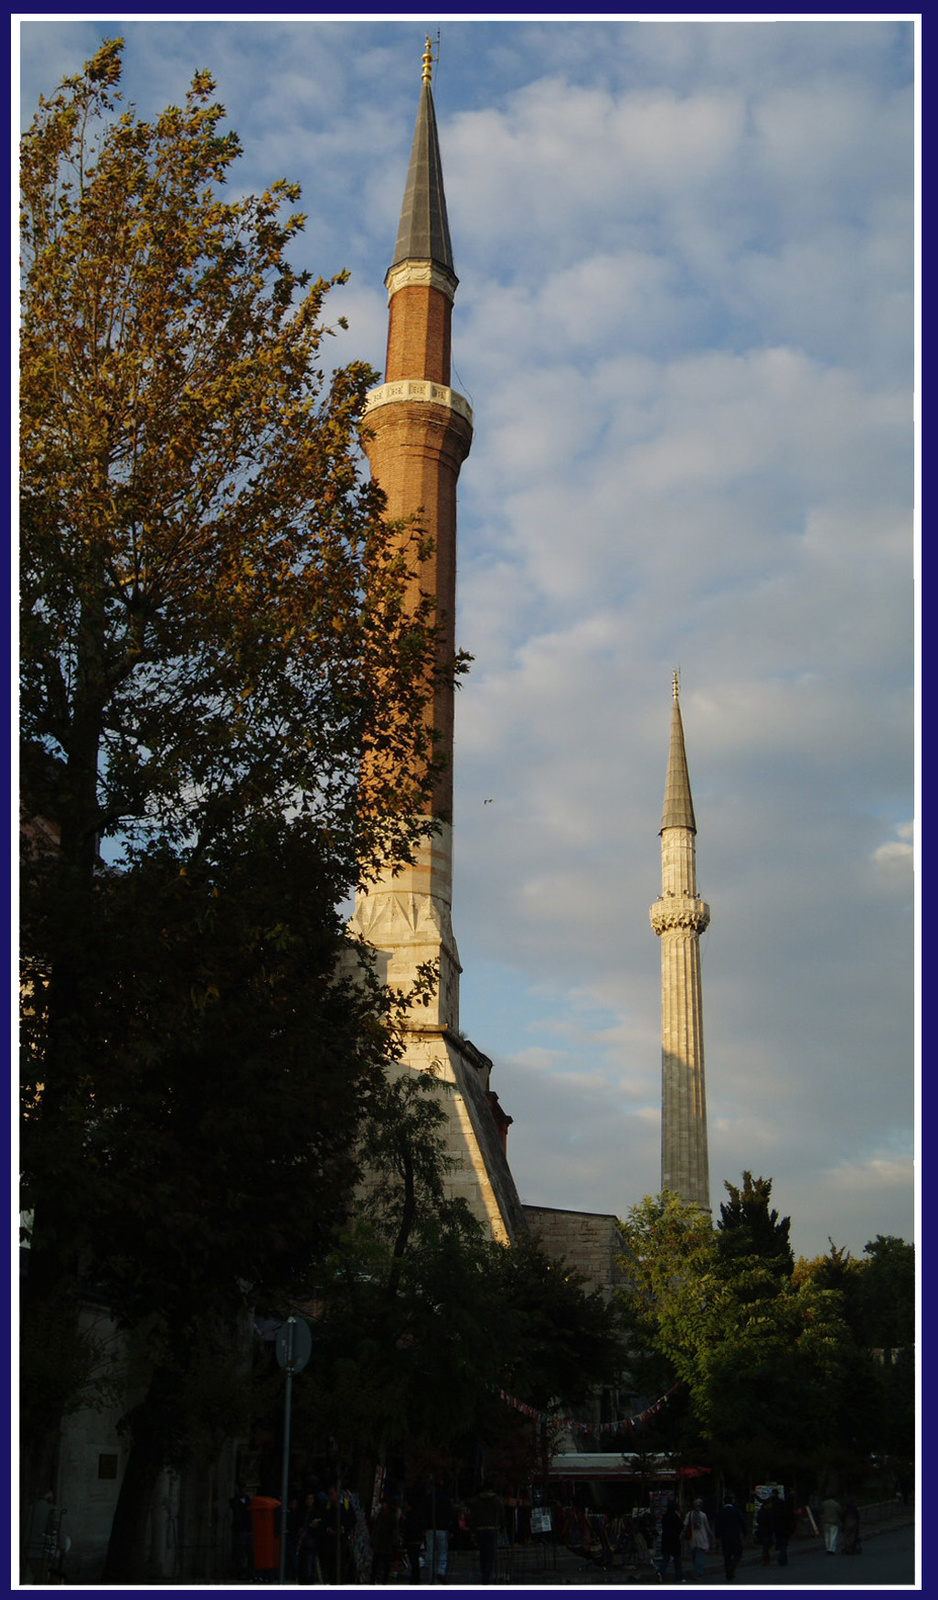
(438, 394)
(679, 911)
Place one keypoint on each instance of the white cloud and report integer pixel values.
(896, 854)
(878, 1172)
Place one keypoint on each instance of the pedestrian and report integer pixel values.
(485, 1519)
(441, 1519)
(41, 1538)
(730, 1529)
(672, 1527)
(385, 1536)
(414, 1528)
(648, 1526)
(783, 1524)
(242, 1541)
(699, 1535)
(308, 1538)
(831, 1519)
(765, 1529)
(338, 1523)
(851, 1527)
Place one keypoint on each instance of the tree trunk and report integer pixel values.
(127, 1546)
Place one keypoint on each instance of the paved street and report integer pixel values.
(887, 1559)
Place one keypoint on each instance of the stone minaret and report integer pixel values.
(421, 431)
(679, 917)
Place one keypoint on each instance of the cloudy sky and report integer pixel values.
(685, 323)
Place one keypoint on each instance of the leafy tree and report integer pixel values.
(668, 1245)
(423, 1319)
(877, 1295)
(887, 1293)
(887, 1311)
(762, 1358)
(748, 1228)
(558, 1340)
(225, 673)
(837, 1271)
(218, 1128)
(212, 621)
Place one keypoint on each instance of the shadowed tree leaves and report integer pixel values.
(877, 1295)
(205, 1153)
(423, 1319)
(748, 1228)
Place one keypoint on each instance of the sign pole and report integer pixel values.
(285, 1477)
(294, 1347)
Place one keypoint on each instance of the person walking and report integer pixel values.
(851, 1527)
(730, 1528)
(307, 1546)
(485, 1515)
(765, 1529)
(414, 1528)
(831, 1518)
(441, 1519)
(699, 1535)
(242, 1538)
(334, 1549)
(672, 1527)
(385, 1536)
(783, 1524)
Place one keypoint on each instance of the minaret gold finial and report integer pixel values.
(676, 684)
(428, 61)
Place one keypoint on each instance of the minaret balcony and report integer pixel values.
(679, 911)
(437, 394)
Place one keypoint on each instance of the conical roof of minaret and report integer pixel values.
(423, 234)
(678, 805)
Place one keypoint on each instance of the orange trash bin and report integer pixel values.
(266, 1542)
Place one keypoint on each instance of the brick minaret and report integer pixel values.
(421, 430)
(679, 917)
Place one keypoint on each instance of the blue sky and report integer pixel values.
(685, 322)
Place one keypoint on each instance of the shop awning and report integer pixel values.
(613, 1466)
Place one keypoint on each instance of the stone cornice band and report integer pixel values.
(425, 274)
(437, 394)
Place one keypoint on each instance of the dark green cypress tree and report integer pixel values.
(748, 1227)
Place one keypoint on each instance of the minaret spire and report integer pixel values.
(423, 234)
(678, 805)
(679, 917)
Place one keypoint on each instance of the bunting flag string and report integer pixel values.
(627, 1424)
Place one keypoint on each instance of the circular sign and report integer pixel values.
(294, 1344)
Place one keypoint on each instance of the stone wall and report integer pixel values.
(586, 1240)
